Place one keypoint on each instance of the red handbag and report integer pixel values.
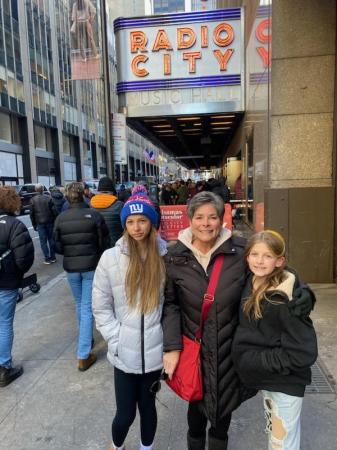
(187, 378)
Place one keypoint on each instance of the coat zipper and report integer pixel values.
(142, 343)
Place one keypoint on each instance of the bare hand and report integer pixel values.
(171, 360)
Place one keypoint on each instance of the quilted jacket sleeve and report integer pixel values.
(22, 246)
(103, 303)
(171, 318)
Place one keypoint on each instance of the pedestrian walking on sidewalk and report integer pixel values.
(81, 236)
(43, 214)
(107, 204)
(272, 349)
(189, 264)
(128, 295)
(16, 258)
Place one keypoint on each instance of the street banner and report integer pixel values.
(119, 138)
(85, 53)
(227, 218)
(173, 219)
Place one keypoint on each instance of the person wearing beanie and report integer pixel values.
(107, 203)
(139, 204)
(128, 295)
(140, 189)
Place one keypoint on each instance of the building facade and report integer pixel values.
(52, 128)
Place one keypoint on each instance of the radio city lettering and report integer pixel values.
(186, 38)
(263, 36)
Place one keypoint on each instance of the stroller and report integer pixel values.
(31, 283)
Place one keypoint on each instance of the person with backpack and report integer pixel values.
(16, 258)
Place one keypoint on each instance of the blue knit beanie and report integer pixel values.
(139, 204)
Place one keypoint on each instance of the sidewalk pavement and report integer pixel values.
(54, 406)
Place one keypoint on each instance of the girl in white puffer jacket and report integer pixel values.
(127, 304)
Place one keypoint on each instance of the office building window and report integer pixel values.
(9, 128)
(43, 138)
(166, 6)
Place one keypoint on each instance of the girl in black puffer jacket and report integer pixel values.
(273, 350)
(16, 258)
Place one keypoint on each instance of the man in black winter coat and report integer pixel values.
(81, 236)
(16, 258)
(43, 215)
(107, 204)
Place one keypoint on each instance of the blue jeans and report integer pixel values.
(7, 310)
(46, 240)
(81, 286)
(283, 414)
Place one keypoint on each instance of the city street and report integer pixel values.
(54, 406)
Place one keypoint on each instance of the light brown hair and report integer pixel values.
(275, 243)
(9, 200)
(144, 275)
(74, 192)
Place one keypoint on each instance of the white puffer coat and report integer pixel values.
(135, 341)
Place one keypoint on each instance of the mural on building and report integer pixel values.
(85, 52)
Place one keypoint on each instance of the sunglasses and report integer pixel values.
(156, 386)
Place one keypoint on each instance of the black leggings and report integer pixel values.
(132, 390)
(197, 423)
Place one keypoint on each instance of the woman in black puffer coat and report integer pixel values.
(189, 264)
(81, 236)
(16, 258)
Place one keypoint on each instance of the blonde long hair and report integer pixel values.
(276, 244)
(142, 275)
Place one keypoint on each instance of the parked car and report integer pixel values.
(26, 192)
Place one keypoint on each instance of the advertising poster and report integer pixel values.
(85, 52)
(119, 138)
(173, 219)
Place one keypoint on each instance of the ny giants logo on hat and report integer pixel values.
(136, 208)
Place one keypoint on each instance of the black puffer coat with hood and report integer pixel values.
(187, 282)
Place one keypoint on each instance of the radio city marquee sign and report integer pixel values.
(193, 59)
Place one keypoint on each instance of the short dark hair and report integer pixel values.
(202, 198)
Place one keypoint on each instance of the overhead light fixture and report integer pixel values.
(221, 123)
(223, 117)
(187, 130)
(197, 124)
(190, 157)
(165, 131)
(221, 128)
(188, 118)
(161, 126)
(154, 120)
